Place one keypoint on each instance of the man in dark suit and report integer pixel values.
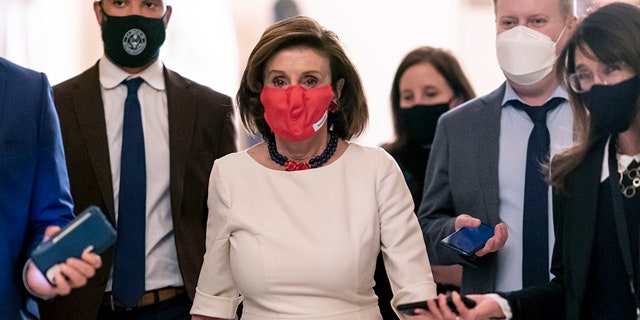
(186, 126)
(477, 167)
(34, 190)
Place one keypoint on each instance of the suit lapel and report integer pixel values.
(580, 216)
(488, 148)
(88, 106)
(182, 116)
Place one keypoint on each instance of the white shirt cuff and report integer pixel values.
(504, 304)
(26, 284)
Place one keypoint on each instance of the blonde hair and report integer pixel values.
(566, 8)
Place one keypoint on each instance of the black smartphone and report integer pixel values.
(409, 308)
(469, 240)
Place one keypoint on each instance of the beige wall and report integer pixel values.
(209, 40)
(378, 34)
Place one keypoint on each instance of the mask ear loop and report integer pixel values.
(561, 33)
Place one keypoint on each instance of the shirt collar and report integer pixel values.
(623, 161)
(111, 75)
(510, 94)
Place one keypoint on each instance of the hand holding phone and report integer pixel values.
(89, 231)
(409, 308)
(468, 240)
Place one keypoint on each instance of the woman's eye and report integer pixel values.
(431, 94)
(277, 82)
(310, 82)
(407, 98)
(611, 68)
(585, 76)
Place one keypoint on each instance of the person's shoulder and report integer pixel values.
(10, 66)
(17, 73)
(363, 149)
(232, 159)
(469, 109)
(238, 165)
(369, 153)
(370, 162)
(88, 76)
(174, 78)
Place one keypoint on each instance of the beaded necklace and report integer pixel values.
(629, 178)
(290, 165)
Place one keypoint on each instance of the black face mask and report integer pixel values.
(613, 107)
(132, 41)
(421, 121)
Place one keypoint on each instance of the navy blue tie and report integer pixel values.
(129, 262)
(535, 224)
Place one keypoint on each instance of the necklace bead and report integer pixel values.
(629, 179)
(290, 165)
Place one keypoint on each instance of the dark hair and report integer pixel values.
(351, 117)
(612, 33)
(447, 65)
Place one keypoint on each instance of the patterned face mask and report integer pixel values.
(132, 41)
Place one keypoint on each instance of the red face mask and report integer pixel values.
(296, 113)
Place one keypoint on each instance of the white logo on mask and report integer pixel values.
(134, 42)
(525, 55)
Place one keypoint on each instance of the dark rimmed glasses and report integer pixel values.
(608, 74)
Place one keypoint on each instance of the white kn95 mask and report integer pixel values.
(525, 55)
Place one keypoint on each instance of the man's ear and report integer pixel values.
(167, 16)
(97, 9)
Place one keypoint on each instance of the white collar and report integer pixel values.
(623, 161)
(111, 75)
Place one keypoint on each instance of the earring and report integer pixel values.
(333, 107)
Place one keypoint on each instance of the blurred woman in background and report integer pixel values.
(428, 82)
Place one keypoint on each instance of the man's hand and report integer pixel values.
(494, 243)
(73, 273)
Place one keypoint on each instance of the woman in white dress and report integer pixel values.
(296, 222)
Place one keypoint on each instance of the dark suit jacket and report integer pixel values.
(462, 177)
(575, 226)
(34, 187)
(201, 129)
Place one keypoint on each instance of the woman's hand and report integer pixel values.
(486, 308)
(435, 312)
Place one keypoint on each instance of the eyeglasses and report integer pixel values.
(609, 74)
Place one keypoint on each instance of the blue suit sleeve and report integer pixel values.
(51, 202)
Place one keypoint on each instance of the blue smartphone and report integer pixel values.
(89, 230)
(469, 240)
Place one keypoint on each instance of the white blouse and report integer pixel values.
(303, 244)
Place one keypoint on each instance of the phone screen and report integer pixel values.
(469, 240)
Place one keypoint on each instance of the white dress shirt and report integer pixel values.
(515, 128)
(161, 258)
